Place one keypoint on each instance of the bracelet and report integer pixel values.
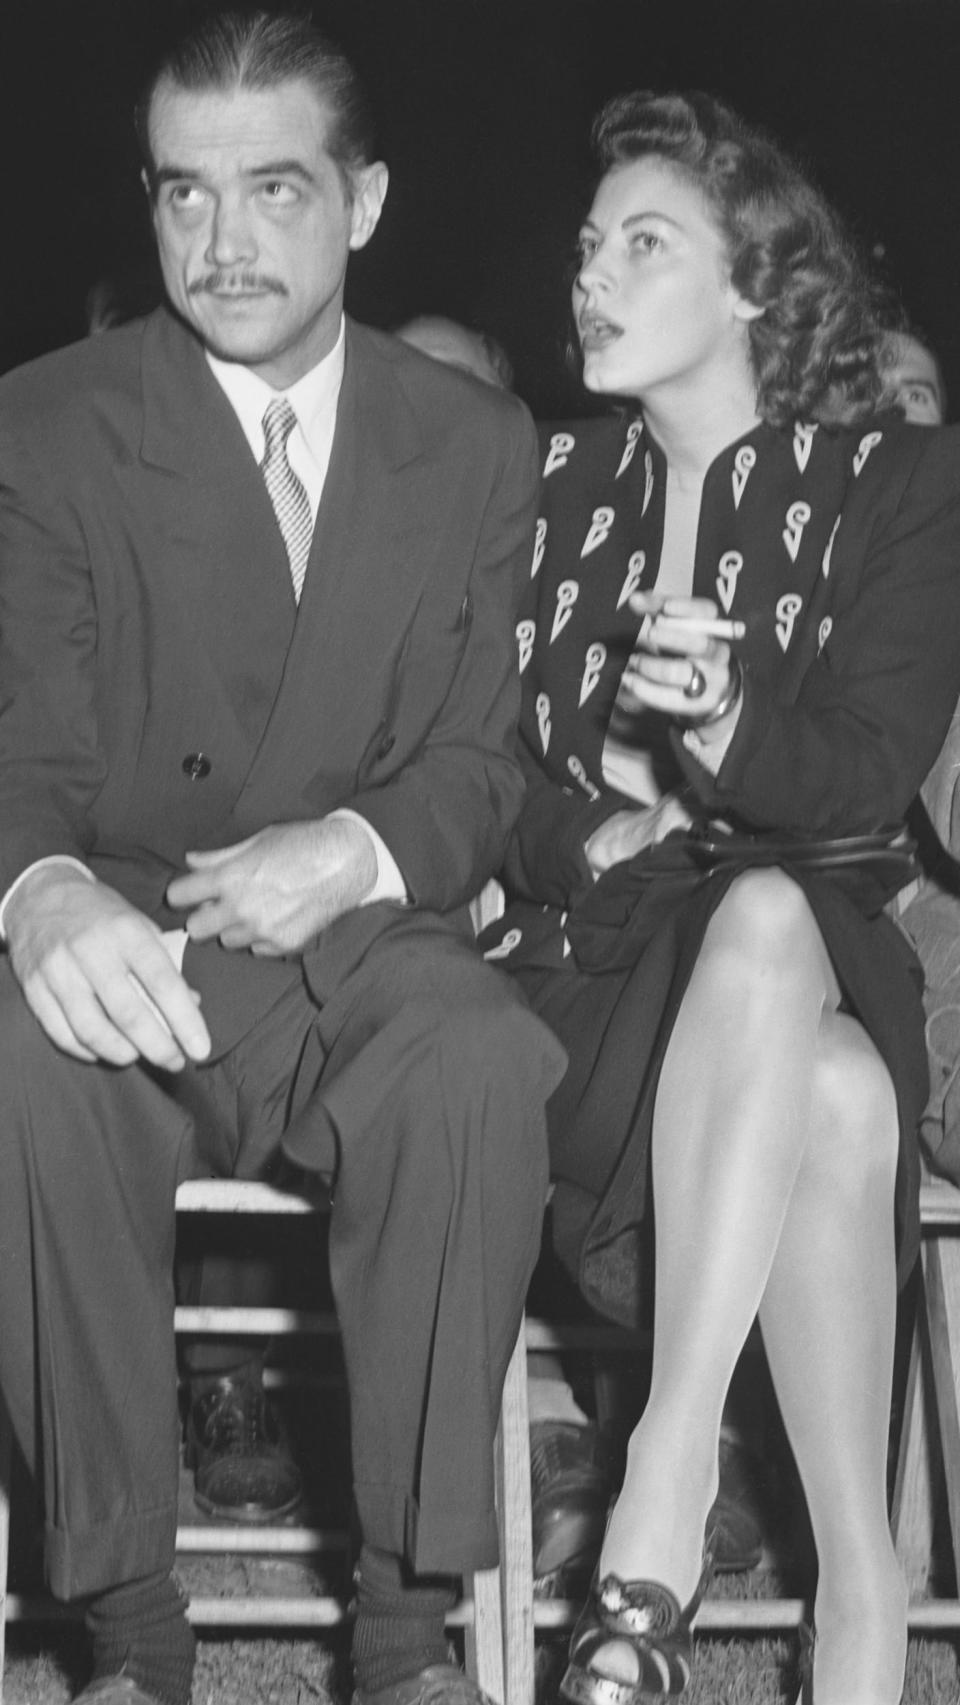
(729, 699)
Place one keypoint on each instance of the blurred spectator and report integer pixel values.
(116, 297)
(448, 341)
(915, 380)
(929, 913)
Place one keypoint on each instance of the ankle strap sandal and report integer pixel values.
(647, 1618)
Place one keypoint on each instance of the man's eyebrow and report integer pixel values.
(281, 169)
(269, 169)
(174, 175)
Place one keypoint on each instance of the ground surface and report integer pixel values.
(45, 1665)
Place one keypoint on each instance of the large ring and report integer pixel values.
(696, 686)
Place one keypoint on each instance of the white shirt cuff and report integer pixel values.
(389, 884)
(38, 864)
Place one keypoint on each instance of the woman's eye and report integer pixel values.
(646, 242)
(586, 249)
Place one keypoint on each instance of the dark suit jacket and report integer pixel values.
(147, 617)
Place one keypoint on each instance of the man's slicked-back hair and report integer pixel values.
(238, 49)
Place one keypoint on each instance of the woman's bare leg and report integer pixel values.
(828, 1317)
(730, 1128)
(774, 1150)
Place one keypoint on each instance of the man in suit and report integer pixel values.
(256, 756)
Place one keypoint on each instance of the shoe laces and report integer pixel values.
(558, 1448)
(234, 1420)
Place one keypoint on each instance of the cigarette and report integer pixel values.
(713, 627)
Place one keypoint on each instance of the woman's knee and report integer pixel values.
(855, 1105)
(764, 929)
(762, 912)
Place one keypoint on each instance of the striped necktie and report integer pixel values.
(287, 495)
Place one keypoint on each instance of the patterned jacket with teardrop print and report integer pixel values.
(839, 549)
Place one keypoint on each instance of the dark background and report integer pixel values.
(484, 107)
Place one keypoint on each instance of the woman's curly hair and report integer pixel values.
(817, 345)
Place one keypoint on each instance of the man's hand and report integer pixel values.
(276, 891)
(96, 975)
(628, 832)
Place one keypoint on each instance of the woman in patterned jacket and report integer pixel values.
(740, 656)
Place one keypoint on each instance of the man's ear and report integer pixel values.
(369, 194)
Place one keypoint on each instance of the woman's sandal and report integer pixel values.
(644, 1616)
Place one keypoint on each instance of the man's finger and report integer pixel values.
(50, 1017)
(74, 1018)
(217, 855)
(236, 936)
(186, 892)
(209, 921)
(148, 1000)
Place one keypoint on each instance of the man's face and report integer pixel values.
(452, 344)
(913, 382)
(255, 223)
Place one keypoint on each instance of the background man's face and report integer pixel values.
(913, 382)
(254, 222)
(454, 345)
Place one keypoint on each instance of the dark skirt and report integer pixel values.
(609, 977)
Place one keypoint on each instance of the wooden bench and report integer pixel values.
(926, 1500)
(500, 1616)
(496, 1614)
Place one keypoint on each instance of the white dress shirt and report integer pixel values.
(314, 401)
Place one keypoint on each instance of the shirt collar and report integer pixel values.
(313, 398)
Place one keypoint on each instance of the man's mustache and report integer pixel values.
(238, 283)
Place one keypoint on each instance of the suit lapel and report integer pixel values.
(360, 590)
(221, 545)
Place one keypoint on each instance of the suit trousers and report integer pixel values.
(415, 1075)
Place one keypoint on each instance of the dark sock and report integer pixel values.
(399, 1626)
(140, 1629)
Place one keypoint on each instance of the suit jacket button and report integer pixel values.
(196, 765)
(386, 746)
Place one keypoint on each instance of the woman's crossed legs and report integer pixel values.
(774, 1155)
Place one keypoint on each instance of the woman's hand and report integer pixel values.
(683, 664)
(628, 832)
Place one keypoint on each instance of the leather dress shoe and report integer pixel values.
(115, 1690)
(438, 1684)
(573, 1481)
(808, 1640)
(242, 1467)
(571, 1488)
(734, 1529)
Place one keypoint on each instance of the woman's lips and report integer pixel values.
(597, 333)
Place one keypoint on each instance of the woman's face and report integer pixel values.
(653, 301)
